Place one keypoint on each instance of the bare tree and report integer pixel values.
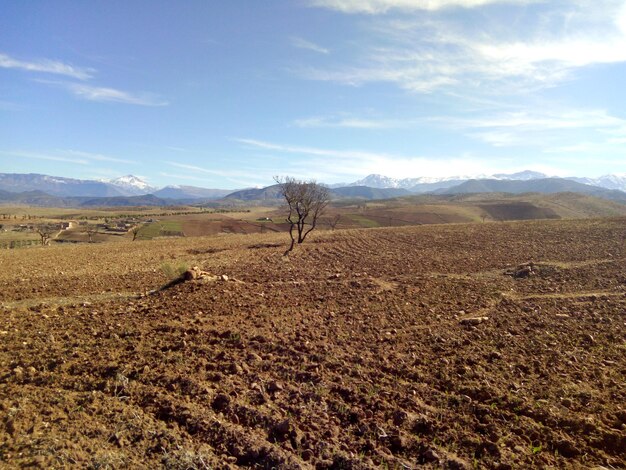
(306, 201)
(91, 231)
(135, 231)
(333, 221)
(45, 233)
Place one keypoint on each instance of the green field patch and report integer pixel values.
(169, 228)
(363, 221)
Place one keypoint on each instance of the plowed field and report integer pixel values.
(396, 348)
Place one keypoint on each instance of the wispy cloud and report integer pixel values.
(68, 156)
(47, 66)
(87, 92)
(540, 129)
(383, 6)
(93, 93)
(438, 51)
(301, 43)
(351, 123)
(97, 157)
(44, 156)
(308, 161)
(242, 177)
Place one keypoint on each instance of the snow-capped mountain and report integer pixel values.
(617, 181)
(525, 175)
(131, 185)
(426, 184)
(381, 181)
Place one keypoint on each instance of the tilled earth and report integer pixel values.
(395, 348)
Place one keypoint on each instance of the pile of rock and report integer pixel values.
(196, 274)
(523, 271)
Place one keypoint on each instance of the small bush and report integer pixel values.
(174, 271)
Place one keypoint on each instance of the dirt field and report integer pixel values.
(406, 347)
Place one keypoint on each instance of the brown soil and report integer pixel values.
(396, 348)
(517, 211)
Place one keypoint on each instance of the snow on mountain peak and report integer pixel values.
(130, 181)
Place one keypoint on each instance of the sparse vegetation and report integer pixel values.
(174, 271)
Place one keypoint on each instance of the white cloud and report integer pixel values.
(68, 156)
(350, 123)
(540, 129)
(350, 163)
(237, 176)
(88, 92)
(97, 157)
(431, 51)
(93, 93)
(105, 94)
(383, 6)
(308, 45)
(43, 156)
(47, 66)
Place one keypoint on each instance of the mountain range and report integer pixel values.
(428, 184)
(37, 189)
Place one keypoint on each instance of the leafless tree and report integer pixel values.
(45, 233)
(306, 201)
(333, 221)
(91, 231)
(135, 231)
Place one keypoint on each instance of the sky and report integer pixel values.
(229, 94)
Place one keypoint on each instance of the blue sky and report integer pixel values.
(229, 94)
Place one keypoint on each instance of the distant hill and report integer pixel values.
(544, 185)
(255, 194)
(146, 200)
(365, 192)
(272, 193)
(190, 192)
(422, 188)
(36, 198)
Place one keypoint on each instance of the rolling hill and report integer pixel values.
(544, 186)
(190, 193)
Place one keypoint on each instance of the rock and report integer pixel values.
(274, 386)
(472, 321)
(283, 427)
(562, 315)
(397, 443)
(566, 448)
(523, 272)
(253, 357)
(588, 338)
(400, 417)
(224, 277)
(429, 455)
(504, 466)
(19, 372)
(455, 463)
(493, 355)
(235, 368)
(221, 402)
